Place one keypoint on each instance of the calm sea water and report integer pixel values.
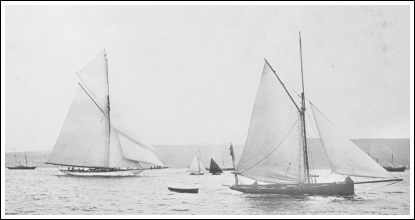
(42, 191)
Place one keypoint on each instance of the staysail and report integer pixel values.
(214, 167)
(344, 156)
(87, 137)
(273, 149)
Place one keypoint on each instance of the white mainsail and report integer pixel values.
(83, 136)
(196, 166)
(273, 149)
(344, 156)
(86, 139)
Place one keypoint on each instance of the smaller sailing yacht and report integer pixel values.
(393, 168)
(89, 144)
(276, 150)
(196, 167)
(214, 168)
(20, 166)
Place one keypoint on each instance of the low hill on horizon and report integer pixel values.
(180, 156)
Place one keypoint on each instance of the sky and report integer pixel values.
(189, 74)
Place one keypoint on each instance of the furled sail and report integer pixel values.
(214, 167)
(273, 149)
(344, 156)
(83, 137)
(196, 166)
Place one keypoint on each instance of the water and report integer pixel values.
(42, 191)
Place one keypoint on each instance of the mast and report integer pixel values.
(198, 162)
(25, 156)
(234, 167)
(302, 115)
(393, 162)
(107, 157)
(15, 157)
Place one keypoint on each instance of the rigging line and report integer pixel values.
(324, 146)
(276, 148)
(92, 99)
(275, 73)
(132, 139)
(313, 130)
(313, 106)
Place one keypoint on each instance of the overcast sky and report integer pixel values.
(189, 74)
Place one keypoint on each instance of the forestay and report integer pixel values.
(344, 156)
(273, 149)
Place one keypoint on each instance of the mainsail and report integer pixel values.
(83, 137)
(273, 149)
(196, 166)
(87, 138)
(344, 156)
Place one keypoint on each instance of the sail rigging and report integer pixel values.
(273, 150)
(214, 167)
(344, 156)
(87, 138)
(196, 165)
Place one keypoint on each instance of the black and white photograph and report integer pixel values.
(207, 109)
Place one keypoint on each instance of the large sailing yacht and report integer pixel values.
(89, 144)
(276, 151)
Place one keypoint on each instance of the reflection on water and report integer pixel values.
(42, 191)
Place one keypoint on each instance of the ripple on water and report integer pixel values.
(40, 192)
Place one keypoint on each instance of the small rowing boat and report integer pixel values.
(184, 190)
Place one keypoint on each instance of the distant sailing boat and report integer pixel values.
(89, 144)
(19, 166)
(214, 167)
(224, 168)
(196, 167)
(276, 150)
(393, 168)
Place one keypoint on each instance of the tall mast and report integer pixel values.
(107, 158)
(25, 157)
(15, 157)
(302, 113)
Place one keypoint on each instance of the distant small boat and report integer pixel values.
(21, 167)
(393, 168)
(184, 190)
(196, 167)
(214, 168)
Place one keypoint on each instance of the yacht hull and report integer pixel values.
(117, 173)
(336, 188)
(395, 169)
